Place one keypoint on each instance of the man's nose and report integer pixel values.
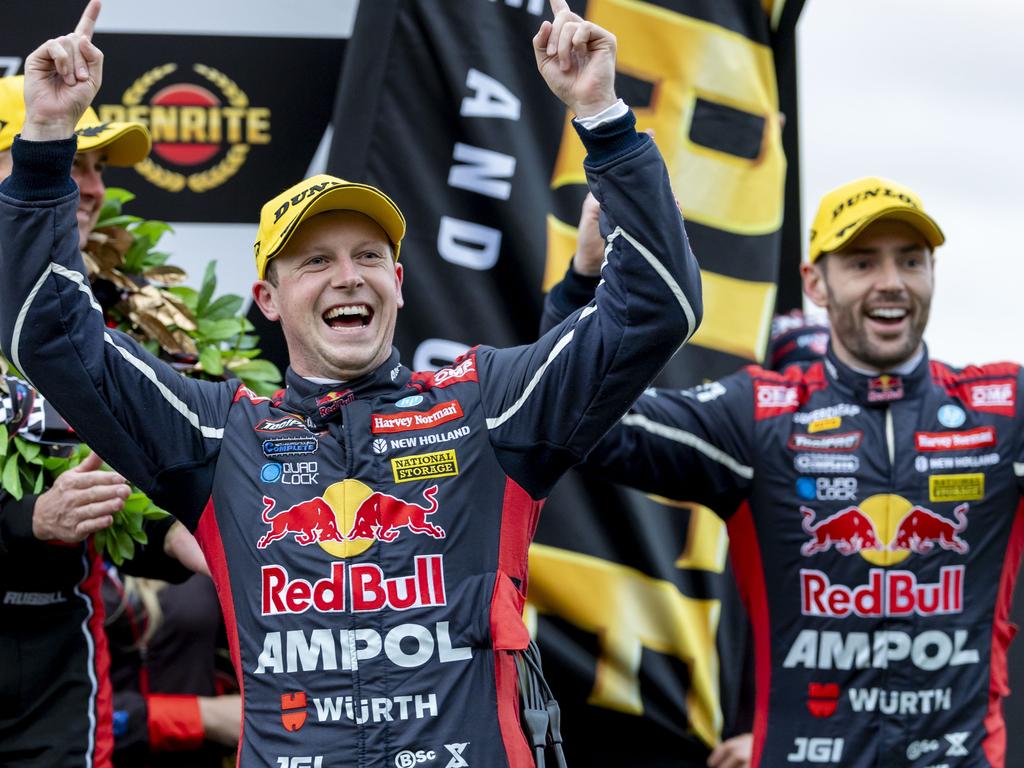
(345, 273)
(89, 181)
(890, 277)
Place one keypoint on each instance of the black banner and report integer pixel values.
(441, 105)
(234, 119)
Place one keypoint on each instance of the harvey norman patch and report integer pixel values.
(956, 487)
(423, 466)
(386, 423)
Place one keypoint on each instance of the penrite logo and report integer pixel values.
(202, 131)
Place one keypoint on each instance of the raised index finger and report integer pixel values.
(557, 6)
(87, 23)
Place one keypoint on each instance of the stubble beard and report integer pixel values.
(848, 326)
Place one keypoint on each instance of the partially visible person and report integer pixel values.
(874, 497)
(795, 339)
(374, 602)
(174, 704)
(56, 707)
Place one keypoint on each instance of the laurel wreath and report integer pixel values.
(202, 181)
(200, 335)
(137, 90)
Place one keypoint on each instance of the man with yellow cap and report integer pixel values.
(51, 623)
(367, 533)
(873, 501)
(99, 144)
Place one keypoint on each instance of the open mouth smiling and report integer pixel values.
(348, 316)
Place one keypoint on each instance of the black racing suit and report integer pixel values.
(55, 708)
(368, 540)
(877, 528)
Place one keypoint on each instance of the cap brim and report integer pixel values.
(919, 220)
(351, 197)
(125, 143)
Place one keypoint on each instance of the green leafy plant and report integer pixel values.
(202, 335)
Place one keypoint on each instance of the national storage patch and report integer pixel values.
(956, 487)
(423, 466)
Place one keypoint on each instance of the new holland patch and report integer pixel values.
(423, 466)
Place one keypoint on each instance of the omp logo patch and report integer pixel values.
(423, 466)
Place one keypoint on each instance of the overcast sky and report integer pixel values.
(929, 93)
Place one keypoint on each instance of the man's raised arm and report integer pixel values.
(549, 402)
(152, 425)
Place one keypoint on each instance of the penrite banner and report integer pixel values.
(227, 134)
(441, 105)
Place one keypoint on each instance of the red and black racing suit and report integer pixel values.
(876, 527)
(368, 540)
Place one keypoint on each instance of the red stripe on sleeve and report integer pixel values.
(208, 536)
(746, 563)
(1003, 631)
(175, 722)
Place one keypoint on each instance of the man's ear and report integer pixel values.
(813, 278)
(399, 277)
(265, 296)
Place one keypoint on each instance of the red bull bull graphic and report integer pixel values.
(310, 521)
(359, 588)
(887, 593)
(922, 529)
(382, 515)
(367, 516)
(885, 529)
(848, 530)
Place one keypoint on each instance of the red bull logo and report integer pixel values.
(365, 515)
(887, 593)
(885, 529)
(885, 389)
(359, 588)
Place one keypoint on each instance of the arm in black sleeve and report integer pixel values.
(693, 444)
(159, 429)
(150, 560)
(549, 402)
(16, 522)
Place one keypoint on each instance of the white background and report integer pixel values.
(929, 93)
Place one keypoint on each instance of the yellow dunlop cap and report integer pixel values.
(125, 143)
(845, 211)
(281, 217)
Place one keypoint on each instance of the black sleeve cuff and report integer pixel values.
(610, 141)
(42, 170)
(150, 561)
(15, 520)
(574, 291)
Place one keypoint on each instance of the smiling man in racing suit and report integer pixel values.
(873, 502)
(368, 534)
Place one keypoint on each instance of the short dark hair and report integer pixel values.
(270, 273)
